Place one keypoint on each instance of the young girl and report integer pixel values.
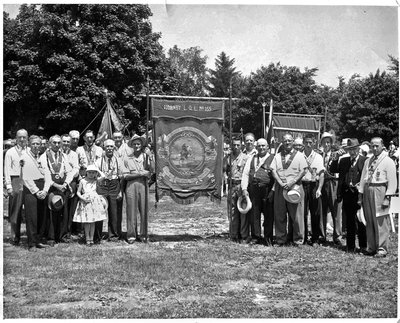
(92, 207)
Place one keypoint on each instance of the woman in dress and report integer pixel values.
(92, 207)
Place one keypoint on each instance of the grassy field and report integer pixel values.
(191, 270)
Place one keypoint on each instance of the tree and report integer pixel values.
(291, 90)
(220, 78)
(370, 107)
(59, 59)
(188, 66)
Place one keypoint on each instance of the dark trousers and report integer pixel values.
(35, 209)
(329, 201)
(239, 222)
(353, 226)
(314, 205)
(71, 204)
(258, 196)
(15, 201)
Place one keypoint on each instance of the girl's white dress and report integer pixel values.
(95, 210)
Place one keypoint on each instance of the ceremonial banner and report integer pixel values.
(295, 125)
(188, 149)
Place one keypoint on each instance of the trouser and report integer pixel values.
(71, 204)
(377, 228)
(34, 208)
(282, 210)
(136, 207)
(314, 205)
(239, 222)
(109, 189)
(353, 225)
(329, 201)
(15, 208)
(258, 195)
(55, 220)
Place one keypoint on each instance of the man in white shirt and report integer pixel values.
(288, 168)
(58, 175)
(89, 153)
(257, 182)
(14, 161)
(68, 227)
(378, 183)
(34, 195)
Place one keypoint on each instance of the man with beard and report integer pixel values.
(34, 195)
(58, 175)
(14, 161)
(257, 182)
(109, 188)
(378, 183)
(288, 168)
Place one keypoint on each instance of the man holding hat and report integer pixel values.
(350, 169)
(233, 165)
(257, 182)
(136, 170)
(312, 185)
(72, 157)
(378, 183)
(288, 168)
(109, 187)
(58, 175)
(329, 189)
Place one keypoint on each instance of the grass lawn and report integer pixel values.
(191, 270)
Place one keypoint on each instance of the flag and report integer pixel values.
(269, 128)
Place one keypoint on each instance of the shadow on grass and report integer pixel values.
(174, 237)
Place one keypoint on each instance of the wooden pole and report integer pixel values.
(230, 162)
(326, 112)
(147, 108)
(263, 120)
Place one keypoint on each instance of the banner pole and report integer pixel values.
(147, 108)
(230, 162)
(326, 111)
(263, 120)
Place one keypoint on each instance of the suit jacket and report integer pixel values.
(346, 176)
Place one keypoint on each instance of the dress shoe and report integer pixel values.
(15, 242)
(50, 243)
(380, 255)
(40, 246)
(131, 241)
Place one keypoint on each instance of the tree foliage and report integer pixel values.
(59, 59)
(188, 67)
(370, 107)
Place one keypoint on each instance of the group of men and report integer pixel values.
(299, 182)
(44, 183)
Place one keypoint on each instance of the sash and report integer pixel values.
(310, 160)
(373, 165)
(286, 165)
(55, 165)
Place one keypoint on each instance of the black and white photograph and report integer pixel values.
(200, 160)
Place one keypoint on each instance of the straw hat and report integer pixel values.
(293, 195)
(55, 202)
(246, 203)
(327, 135)
(136, 137)
(361, 217)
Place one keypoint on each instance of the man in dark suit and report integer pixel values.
(350, 169)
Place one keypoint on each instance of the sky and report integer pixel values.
(339, 40)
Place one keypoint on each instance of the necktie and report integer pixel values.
(109, 163)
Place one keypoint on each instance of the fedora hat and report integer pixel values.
(293, 195)
(327, 135)
(344, 142)
(136, 137)
(352, 143)
(55, 202)
(247, 204)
